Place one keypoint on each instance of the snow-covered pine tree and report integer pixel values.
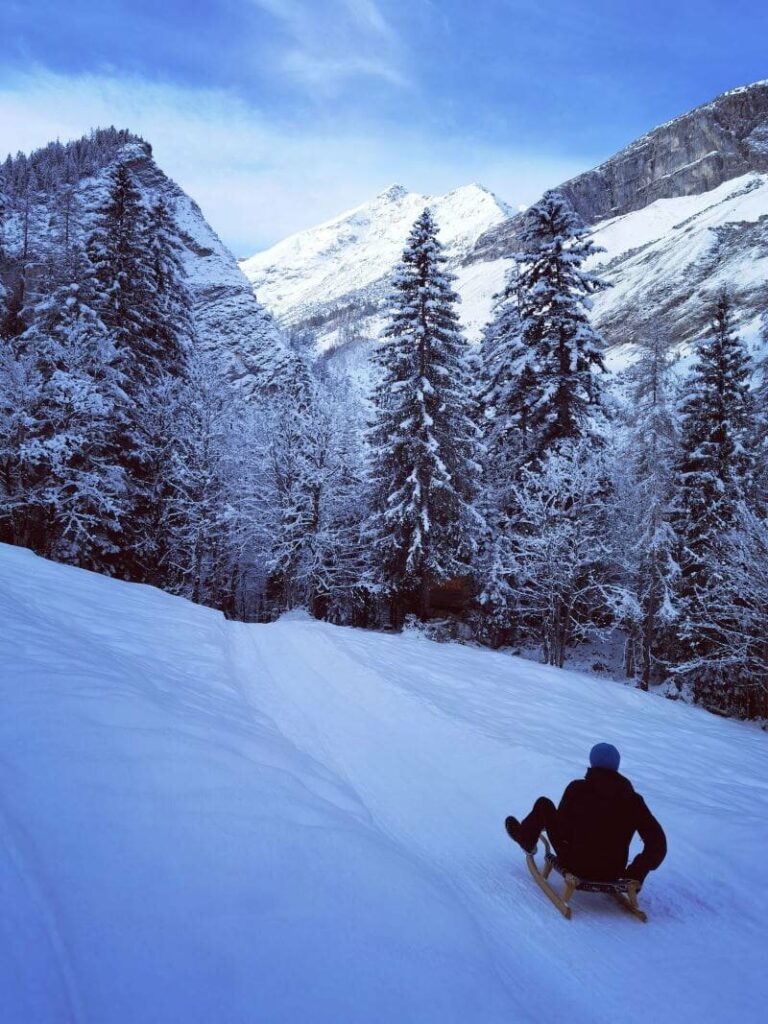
(643, 492)
(340, 459)
(425, 454)
(169, 314)
(561, 559)
(170, 328)
(141, 299)
(124, 278)
(66, 213)
(21, 510)
(295, 483)
(565, 353)
(75, 485)
(508, 373)
(731, 674)
(208, 518)
(715, 470)
(505, 384)
(315, 487)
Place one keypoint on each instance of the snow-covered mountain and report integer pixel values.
(209, 821)
(680, 211)
(228, 318)
(333, 278)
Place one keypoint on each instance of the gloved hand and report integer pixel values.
(635, 874)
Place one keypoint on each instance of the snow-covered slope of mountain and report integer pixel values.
(681, 211)
(665, 263)
(333, 276)
(209, 821)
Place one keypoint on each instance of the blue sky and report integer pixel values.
(277, 114)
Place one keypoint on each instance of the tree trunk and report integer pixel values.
(647, 642)
(425, 593)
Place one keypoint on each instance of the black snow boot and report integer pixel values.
(513, 831)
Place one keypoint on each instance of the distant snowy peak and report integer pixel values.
(349, 259)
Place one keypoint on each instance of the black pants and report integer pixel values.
(543, 817)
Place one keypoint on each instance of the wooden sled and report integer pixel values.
(623, 891)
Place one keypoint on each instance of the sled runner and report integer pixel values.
(624, 891)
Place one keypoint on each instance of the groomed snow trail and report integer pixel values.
(441, 742)
(206, 821)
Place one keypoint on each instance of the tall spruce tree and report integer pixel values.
(508, 376)
(169, 313)
(425, 455)
(123, 275)
(716, 466)
(142, 301)
(564, 352)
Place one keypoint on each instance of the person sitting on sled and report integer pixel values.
(592, 828)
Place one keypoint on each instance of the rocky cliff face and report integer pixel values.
(694, 153)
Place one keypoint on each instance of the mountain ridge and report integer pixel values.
(697, 151)
(648, 182)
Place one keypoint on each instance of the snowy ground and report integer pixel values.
(204, 821)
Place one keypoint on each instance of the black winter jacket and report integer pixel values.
(596, 820)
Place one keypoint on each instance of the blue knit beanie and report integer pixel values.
(605, 755)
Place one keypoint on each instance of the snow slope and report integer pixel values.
(670, 259)
(667, 260)
(208, 821)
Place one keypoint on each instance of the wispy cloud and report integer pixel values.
(256, 179)
(368, 14)
(326, 45)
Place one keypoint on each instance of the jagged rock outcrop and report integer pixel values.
(695, 153)
(229, 319)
